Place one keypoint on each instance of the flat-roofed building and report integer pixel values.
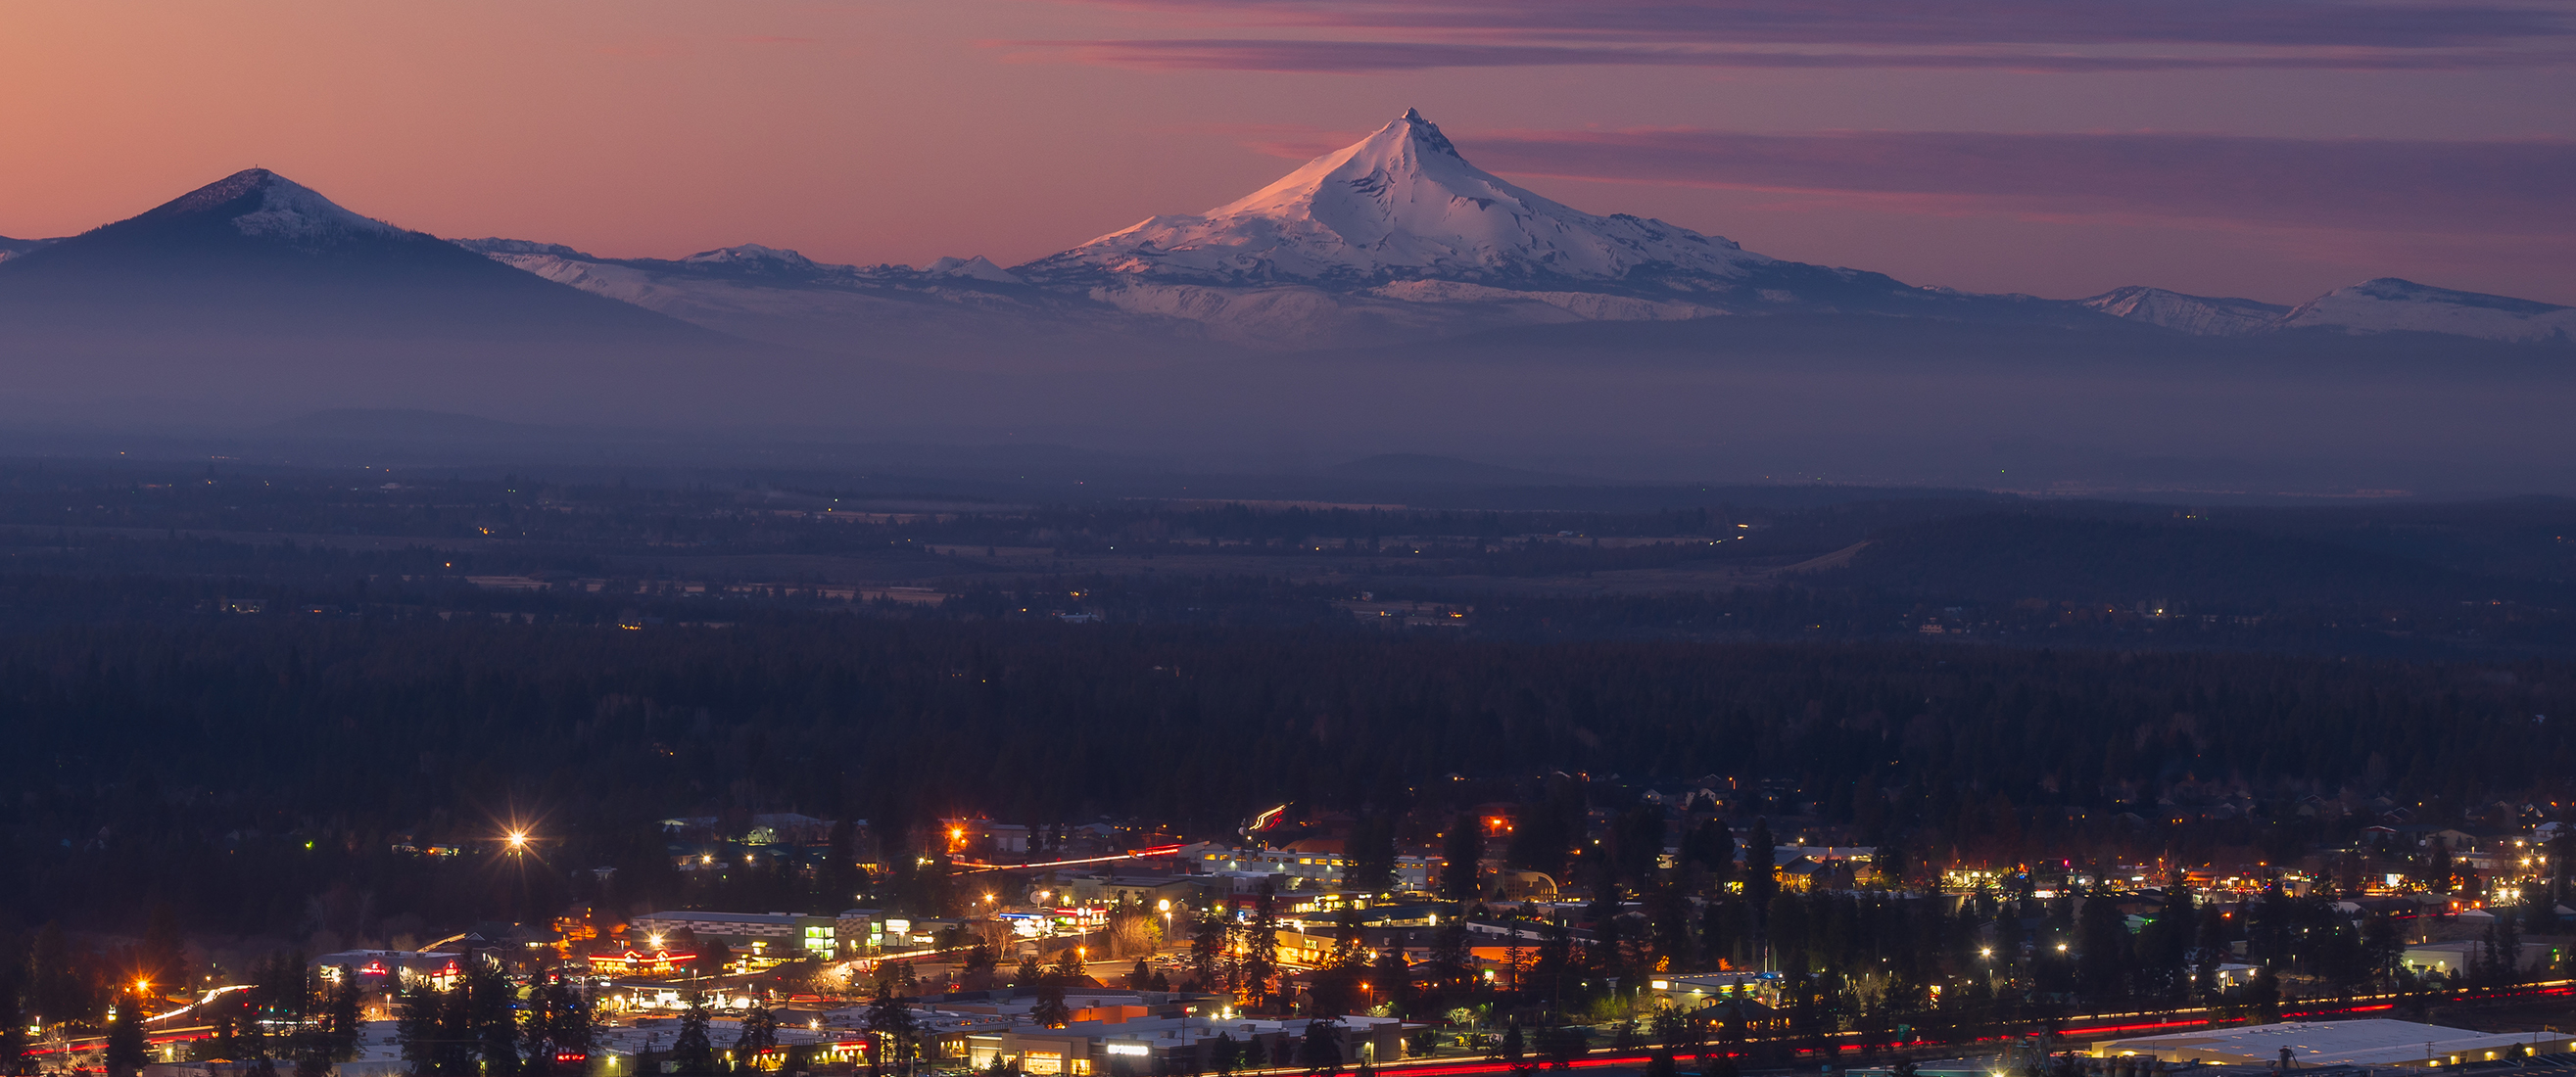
(775, 934)
(2337, 1043)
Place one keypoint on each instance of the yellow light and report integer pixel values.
(518, 839)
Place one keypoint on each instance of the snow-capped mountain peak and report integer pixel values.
(2198, 315)
(750, 255)
(977, 268)
(1401, 204)
(2391, 305)
(495, 246)
(264, 204)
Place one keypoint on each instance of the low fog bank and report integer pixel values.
(1854, 401)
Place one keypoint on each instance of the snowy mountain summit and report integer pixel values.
(1401, 204)
(1397, 237)
(263, 204)
(2198, 315)
(2380, 305)
(2391, 305)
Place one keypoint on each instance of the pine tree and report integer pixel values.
(1050, 1010)
(1452, 958)
(14, 1059)
(418, 1027)
(1461, 851)
(692, 1054)
(1660, 1063)
(1321, 1050)
(1261, 945)
(759, 1034)
(1760, 880)
(127, 1051)
(890, 1023)
(340, 1025)
(1562, 1044)
(164, 952)
(55, 991)
(2102, 935)
(1372, 856)
(1207, 954)
(1711, 846)
(1393, 978)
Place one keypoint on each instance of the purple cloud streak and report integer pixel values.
(1358, 57)
(2045, 35)
(2502, 188)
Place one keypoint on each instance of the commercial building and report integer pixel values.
(2337, 1043)
(1412, 873)
(388, 969)
(1690, 992)
(1172, 1044)
(776, 934)
(2458, 956)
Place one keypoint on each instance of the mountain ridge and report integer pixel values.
(1398, 237)
(1393, 238)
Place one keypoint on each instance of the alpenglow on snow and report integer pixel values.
(1400, 204)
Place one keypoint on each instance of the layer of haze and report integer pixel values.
(871, 132)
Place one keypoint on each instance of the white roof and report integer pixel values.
(2327, 1043)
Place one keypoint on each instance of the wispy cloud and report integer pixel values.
(1357, 57)
(2035, 35)
(2505, 187)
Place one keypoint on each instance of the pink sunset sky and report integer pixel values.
(2264, 148)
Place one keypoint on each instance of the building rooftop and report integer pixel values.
(2332, 1043)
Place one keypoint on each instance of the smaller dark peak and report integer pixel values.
(220, 193)
(1428, 133)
